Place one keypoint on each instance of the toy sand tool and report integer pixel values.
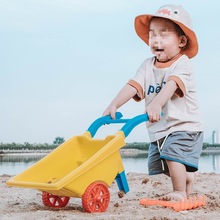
(191, 203)
(81, 167)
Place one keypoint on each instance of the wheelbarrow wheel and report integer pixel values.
(96, 198)
(54, 201)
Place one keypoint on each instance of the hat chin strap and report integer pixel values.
(173, 58)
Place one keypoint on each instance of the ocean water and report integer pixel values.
(15, 164)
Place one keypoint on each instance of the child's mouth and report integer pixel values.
(158, 50)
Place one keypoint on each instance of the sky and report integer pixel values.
(63, 61)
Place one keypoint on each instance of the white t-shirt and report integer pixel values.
(181, 112)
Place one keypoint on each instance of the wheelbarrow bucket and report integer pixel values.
(71, 167)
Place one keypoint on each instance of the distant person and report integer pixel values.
(167, 83)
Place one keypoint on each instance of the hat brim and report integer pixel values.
(142, 23)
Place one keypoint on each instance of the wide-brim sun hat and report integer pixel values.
(176, 14)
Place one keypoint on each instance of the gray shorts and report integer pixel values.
(181, 146)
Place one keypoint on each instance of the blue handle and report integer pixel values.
(127, 128)
(133, 122)
(93, 128)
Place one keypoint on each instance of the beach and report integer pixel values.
(25, 203)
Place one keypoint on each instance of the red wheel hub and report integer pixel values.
(54, 201)
(96, 198)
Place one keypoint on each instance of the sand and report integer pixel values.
(25, 204)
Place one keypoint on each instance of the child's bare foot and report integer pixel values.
(189, 182)
(174, 196)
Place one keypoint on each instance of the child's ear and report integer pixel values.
(183, 41)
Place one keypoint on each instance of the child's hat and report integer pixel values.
(176, 14)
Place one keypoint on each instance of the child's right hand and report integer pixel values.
(111, 110)
(125, 94)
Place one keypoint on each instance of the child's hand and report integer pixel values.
(154, 109)
(111, 110)
(154, 112)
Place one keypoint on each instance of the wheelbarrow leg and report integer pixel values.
(122, 182)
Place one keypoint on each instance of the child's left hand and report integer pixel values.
(154, 112)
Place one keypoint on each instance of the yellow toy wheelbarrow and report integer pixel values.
(82, 167)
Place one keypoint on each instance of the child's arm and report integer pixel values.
(155, 107)
(124, 95)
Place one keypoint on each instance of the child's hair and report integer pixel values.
(178, 29)
(180, 33)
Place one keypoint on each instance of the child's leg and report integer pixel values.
(190, 178)
(178, 174)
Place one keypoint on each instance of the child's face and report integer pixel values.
(164, 41)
